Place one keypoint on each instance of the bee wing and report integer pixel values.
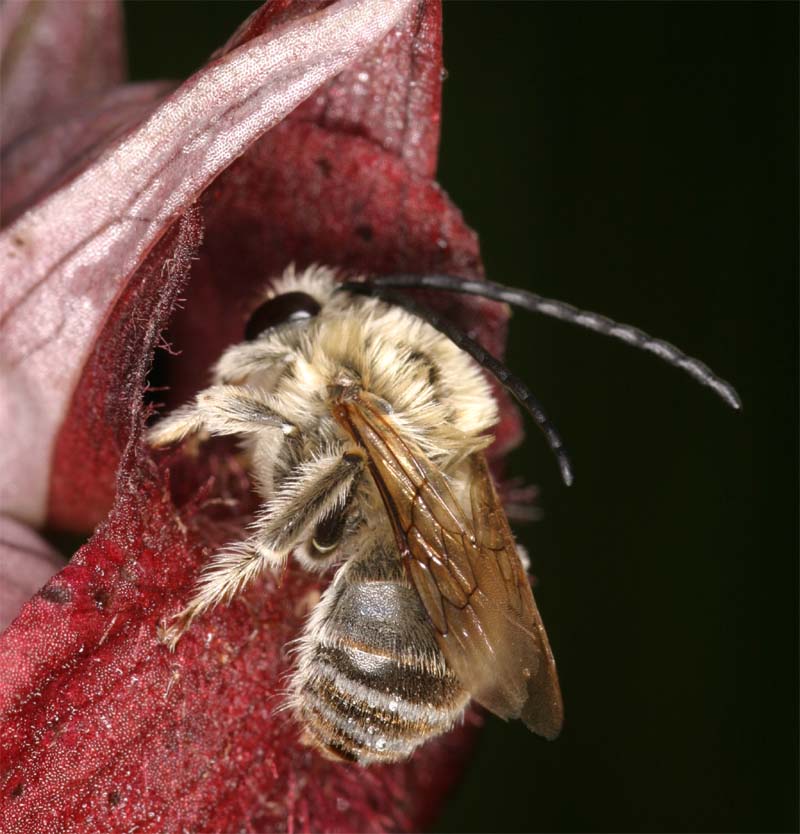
(467, 573)
(500, 569)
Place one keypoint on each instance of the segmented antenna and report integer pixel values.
(511, 383)
(566, 312)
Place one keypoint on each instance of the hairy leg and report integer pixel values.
(220, 410)
(309, 493)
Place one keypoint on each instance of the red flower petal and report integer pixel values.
(56, 54)
(71, 258)
(103, 729)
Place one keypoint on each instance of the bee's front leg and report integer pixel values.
(221, 410)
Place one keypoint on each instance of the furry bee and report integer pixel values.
(365, 417)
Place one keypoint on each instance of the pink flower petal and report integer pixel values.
(68, 260)
(55, 54)
(45, 157)
(26, 563)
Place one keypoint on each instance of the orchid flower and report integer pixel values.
(143, 221)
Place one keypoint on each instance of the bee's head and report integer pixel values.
(294, 300)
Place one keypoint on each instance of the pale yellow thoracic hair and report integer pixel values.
(378, 342)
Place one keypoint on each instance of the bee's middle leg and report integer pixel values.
(312, 490)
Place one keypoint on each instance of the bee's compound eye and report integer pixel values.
(288, 308)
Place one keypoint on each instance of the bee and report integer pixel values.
(365, 417)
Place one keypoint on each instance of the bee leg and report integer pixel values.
(220, 410)
(228, 572)
(232, 409)
(314, 489)
(522, 552)
(180, 424)
(302, 500)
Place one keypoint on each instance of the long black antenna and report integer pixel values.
(566, 312)
(512, 383)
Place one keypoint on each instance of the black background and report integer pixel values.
(639, 160)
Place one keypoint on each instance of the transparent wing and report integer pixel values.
(466, 571)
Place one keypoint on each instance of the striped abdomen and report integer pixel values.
(372, 685)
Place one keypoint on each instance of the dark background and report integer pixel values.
(638, 160)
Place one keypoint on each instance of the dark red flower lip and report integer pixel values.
(103, 729)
